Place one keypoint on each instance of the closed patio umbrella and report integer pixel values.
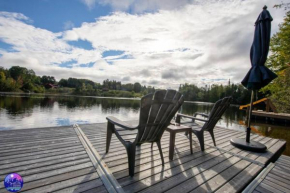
(259, 75)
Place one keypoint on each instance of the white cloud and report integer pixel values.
(139, 6)
(70, 36)
(89, 3)
(68, 25)
(201, 43)
(12, 15)
(40, 49)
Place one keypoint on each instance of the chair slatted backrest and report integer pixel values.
(156, 112)
(216, 112)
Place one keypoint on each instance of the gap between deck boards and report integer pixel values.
(233, 154)
(105, 174)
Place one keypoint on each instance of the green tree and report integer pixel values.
(90, 88)
(2, 81)
(63, 82)
(10, 84)
(128, 87)
(48, 80)
(137, 87)
(2, 76)
(17, 72)
(279, 62)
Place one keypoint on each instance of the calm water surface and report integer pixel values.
(33, 111)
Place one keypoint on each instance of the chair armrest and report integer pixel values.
(201, 114)
(178, 116)
(120, 123)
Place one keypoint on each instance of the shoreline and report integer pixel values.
(60, 95)
(99, 97)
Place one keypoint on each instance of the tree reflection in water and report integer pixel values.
(27, 111)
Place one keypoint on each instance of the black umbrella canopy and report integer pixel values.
(259, 75)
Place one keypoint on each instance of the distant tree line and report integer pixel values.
(108, 88)
(212, 93)
(21, 79)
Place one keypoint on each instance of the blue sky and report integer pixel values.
(159, 43)
(54, 14)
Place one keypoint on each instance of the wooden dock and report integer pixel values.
(67, 159)
(271, 116)
(51, 160)
(275, 178)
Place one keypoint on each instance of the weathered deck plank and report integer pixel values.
(54, 159)
(244, 177)
(48, 159)
(274, 178)
(150, 176)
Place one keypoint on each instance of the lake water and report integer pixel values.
(34, 111)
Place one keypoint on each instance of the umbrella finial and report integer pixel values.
(265, 7)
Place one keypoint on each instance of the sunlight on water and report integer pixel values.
(33, 112)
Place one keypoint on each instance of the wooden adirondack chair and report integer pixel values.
(211, 120)
(156, 112)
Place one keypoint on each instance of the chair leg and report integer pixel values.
(110, 128)
(152, 145)
(177, 119)
(160, 151)
(200, 138)
(131, 151)
(212, 136)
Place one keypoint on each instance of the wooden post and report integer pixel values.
(267, 105)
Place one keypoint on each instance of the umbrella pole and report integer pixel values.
(249, 145)
(249, 118)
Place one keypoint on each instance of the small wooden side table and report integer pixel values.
(173, 129)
